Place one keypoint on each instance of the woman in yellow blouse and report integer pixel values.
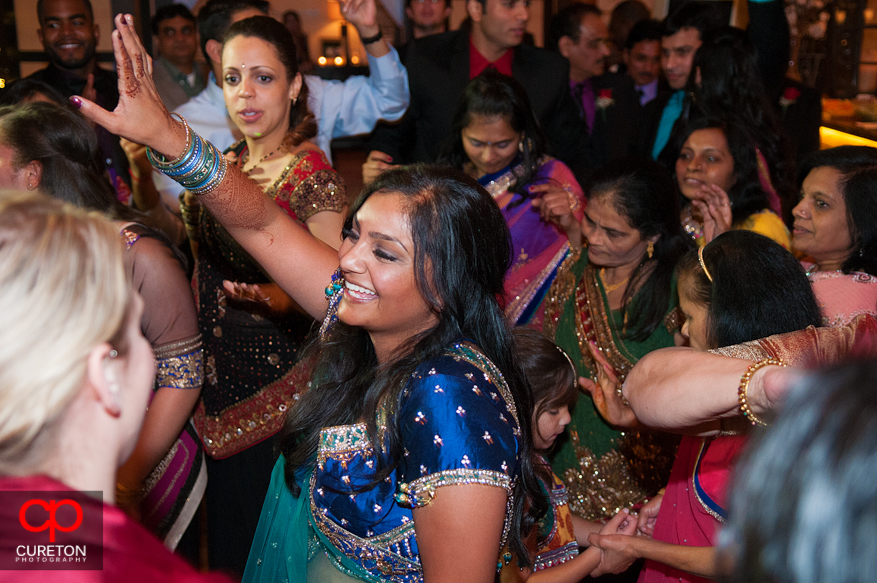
(724, 181)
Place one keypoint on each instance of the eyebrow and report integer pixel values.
(605, 228)
(379, 235)
(383, 237)
(58, 18)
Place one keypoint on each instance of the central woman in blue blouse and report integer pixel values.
(410, 430)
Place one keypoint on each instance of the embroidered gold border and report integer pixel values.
(514, 310)
(422, 490)
(591, 294)
(388, 565)
(560, 291)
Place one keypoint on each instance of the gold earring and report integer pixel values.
(650, 249)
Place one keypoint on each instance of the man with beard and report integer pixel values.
(69, 36)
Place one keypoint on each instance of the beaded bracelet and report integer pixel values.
(742, 397)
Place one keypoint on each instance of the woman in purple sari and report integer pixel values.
(497, 140)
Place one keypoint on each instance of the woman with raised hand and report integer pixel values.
(721, 179)
(76, 376)
(679, 527)
(617, 296)
(497, 140)
(410, 454)
(53, 149)
(253, 331)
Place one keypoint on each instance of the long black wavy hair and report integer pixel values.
(461, 255)
(857, 166)
(643, 194)
(746, 195)
(302, 124)
(738, 311)
(492, 94)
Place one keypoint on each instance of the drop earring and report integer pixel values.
(650, 249)
(334, 291)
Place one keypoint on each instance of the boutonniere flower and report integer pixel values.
(790, 97)
(604, 100)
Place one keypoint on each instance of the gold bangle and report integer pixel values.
(742, 396)
(163, 162)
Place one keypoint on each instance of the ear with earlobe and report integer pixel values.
(214, 50)
(33, 174)
(564, 44)
(102, 379)
(475, 10)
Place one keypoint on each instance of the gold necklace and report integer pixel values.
(611, 288)
(262, 159)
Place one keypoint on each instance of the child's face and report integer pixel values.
(549, 426)
(696, 316)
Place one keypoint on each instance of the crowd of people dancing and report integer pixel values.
(600, 311)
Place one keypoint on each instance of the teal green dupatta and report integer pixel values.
(287, 547)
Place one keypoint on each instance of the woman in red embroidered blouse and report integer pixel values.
(252, 329)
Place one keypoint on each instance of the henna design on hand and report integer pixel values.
(236, 206)
(141, 69)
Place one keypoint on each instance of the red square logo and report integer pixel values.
(52, 531)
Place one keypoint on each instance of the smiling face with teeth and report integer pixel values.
(69, 34)
(258, 94)
(381, 294)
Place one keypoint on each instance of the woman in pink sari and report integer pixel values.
(836, 230)
(497, 140)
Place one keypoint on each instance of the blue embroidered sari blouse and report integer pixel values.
(459, 426)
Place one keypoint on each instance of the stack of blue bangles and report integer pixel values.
(199, 169)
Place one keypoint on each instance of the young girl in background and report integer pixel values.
(555, 544)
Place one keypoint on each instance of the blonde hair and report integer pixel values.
(64, 289)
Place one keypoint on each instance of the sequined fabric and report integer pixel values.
(251, 357)
(554, 530)
(457, 428)
(180, 364)
(825, 346)
(309, 185)
(604, 469)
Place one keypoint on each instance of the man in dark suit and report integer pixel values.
(607, 102)
(681, 36)
(440, 66)
(642, 59)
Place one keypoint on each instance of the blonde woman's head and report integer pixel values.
(64, 290)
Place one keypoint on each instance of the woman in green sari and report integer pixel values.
(616, 298)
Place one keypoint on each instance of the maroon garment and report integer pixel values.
(130, 552)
